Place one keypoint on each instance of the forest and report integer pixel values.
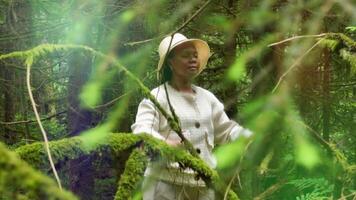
(72, 73)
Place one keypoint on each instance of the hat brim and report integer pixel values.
(203, 54)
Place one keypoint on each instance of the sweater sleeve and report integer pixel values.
(147, 120)
(225, 130)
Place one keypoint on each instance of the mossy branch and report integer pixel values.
(345, 41)
(18, 178)
(336, 42)
(71, 148)
(134, 170)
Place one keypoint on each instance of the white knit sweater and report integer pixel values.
(202, 119)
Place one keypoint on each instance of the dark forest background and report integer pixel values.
(297, 96)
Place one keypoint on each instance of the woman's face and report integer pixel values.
(184, 62)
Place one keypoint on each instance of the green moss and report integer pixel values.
(61, 150)
(18, 180)
(330, 43)
(342, 45)
(350, 57)
(345, 41)
(134, 169)
(72, 148)
(115, 143)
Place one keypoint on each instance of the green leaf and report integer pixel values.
(228, 155)
(90, 95)
(351, 29)
(237, 70)
(306, 153)
(95, 136)
(128, 15)
(220, 21)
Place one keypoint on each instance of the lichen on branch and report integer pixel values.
(19, 180)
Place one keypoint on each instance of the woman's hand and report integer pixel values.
(174, 143)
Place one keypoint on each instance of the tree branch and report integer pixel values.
(192, 17)
(32, 120)
(294, 65)
(28, 62)
(270, 190)
(297, 37)
(175, 31)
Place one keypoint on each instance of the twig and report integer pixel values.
(236, 175)
(31, 121)
(228, 10)
(29, 61)
(110, 102)
(270, 190)
(175, 31)
(294, 65)
(193, 16)
(349, 195)
(142, 41)
(297, 37)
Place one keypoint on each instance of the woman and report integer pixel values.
(201, 114)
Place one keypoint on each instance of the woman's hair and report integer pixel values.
(166, 71)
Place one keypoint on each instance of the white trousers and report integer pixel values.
(161, 190)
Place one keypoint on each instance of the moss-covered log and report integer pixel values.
(71, 148)
(19, 181)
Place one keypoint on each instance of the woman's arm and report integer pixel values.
(147, 120)
(225, 130)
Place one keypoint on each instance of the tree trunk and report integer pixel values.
(79, 119)
(17, 21)
(326, 105)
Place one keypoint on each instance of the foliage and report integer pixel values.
(319, 188)
(303, 145)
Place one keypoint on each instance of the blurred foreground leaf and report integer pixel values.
(91, 94)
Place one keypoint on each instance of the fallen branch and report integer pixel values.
(115, 143)
(32, 120)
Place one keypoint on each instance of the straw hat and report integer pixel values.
(201, 46)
